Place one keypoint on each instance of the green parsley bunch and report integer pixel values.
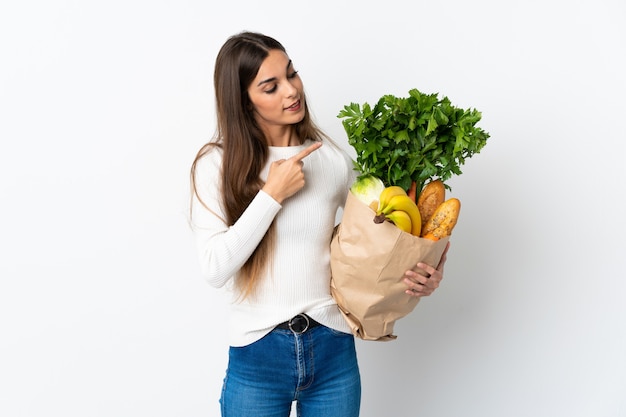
(414, 139)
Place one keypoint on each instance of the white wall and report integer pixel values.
(104, 104)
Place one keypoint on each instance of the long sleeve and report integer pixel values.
(223, 250)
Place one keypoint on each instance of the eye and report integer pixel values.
(292, 75)
(271, 90)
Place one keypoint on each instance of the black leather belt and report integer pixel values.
(299, 324)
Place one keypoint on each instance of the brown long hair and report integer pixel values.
(245, 149)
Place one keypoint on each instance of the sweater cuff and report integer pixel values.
(267, 199)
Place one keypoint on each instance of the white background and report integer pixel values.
(104, 104)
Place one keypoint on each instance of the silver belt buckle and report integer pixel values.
(306, 327)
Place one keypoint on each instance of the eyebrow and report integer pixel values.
(269, 80)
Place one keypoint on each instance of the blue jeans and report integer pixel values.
(317, 368)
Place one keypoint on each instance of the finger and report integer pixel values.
(303, 154)
(412, 277)
(412, 290)
(429, 270)
(417, 292)
(418, 287)
(413, 293)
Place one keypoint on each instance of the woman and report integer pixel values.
(266, 192)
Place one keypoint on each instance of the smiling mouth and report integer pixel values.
(294, 106)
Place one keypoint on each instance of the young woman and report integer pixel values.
(266, 192)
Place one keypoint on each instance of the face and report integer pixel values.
(276, 93)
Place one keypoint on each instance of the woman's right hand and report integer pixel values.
(286, 177)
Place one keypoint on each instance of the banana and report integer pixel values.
(404, 203)
(387, 194)
(401, 219)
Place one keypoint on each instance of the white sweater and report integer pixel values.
(299, 279)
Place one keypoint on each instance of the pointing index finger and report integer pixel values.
(306, 152)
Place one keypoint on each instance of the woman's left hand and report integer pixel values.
(420, 285)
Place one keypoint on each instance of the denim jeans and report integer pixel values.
(318, 369)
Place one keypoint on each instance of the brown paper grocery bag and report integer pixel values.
(368, 261)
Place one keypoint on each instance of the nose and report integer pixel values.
(291, 89)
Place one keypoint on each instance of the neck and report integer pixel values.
(283, 136)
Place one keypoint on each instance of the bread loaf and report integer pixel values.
(431, 197)
(443, 220)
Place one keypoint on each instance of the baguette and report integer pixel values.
(431, 197)
(443, 220)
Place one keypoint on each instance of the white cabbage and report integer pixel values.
(367, 189)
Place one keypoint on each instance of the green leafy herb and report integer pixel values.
(414, 138)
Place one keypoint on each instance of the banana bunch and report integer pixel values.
(396, 206)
